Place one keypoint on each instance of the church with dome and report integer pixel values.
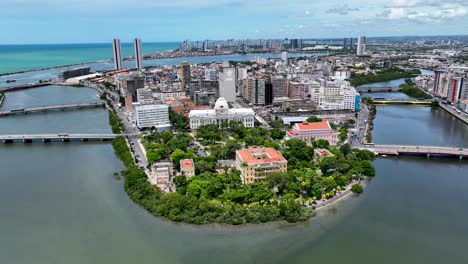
(221, 114)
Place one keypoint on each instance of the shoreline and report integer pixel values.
(345, 195)
(131, 59)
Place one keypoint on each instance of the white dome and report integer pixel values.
(221, 104)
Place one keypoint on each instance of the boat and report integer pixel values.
(384, 156)
(10, 81)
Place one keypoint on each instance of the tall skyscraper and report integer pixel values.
(227, 83)
(117, 53)
(284, 57)
(185, 75)
(137, 53)
(361, 46)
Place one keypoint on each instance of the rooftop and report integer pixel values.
(255, 155)
(313, 126)
(186, 164)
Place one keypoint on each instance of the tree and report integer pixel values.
(178, 155)
(261, 193)
(277, 133)
(345, 149)
(321, 143)
(230, 149)
(357, 188)
(367, 168)
(329, 183)
(313, 119)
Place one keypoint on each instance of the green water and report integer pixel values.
(60, 203)
(26, 57)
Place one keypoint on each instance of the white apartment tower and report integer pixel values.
(361, 46)
(227, 83)
(155, 115)
(137, 53)
(117, 53)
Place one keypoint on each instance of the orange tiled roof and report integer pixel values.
(313, 125)
(186, 163)
(260, 155)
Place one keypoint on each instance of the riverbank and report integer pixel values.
(346, 194)
(447, 108)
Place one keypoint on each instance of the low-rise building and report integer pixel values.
(320, 153)
(313, 131)
(221, 114)
(187, 167)
(257, 162)
(161, 173)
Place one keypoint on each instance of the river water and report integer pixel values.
(60, 202)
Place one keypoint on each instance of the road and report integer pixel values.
(131, 130)
(452, 111)
(361, 125)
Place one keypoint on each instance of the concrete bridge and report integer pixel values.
(50, 108)
(427, 151)
(61, 137)
(25, 86)
(401, 101)
(378, 89)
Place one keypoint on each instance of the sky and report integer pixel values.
(98, 21)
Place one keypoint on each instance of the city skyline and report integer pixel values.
(100, 21)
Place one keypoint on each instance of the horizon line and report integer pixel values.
(175, 41)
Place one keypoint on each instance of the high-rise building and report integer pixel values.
(280, 86)
(455, 89)
(361, 46)
(227, 84)
(284, 57)
(156, 115)
(268, 93)
(211, 74)
(185, 75)
(137, 53)
(258, 92)
(116, 51)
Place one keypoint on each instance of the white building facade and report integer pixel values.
(335, 96)
(155, 115)
(221, 114)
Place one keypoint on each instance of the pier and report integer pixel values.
(50, 108)
(61, 137)
(415, 150)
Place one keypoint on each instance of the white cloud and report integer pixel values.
(424, 11)
(343, 9)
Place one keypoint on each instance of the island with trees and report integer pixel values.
(216, 193)
(383, 76)
(409, 88)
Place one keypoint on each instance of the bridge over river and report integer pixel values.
(50, 108)
(384, 101)
(415, 150)
(378, 89)
(61, 137)
(24, 86)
